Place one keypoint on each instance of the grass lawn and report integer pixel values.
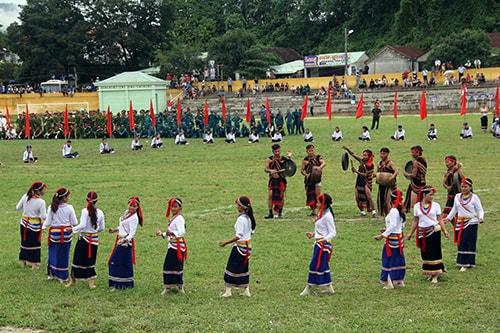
(208, 178)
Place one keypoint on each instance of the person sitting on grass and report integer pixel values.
(466, 132)
(399, 134)
(365, 134)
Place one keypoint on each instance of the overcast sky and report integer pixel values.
(9, 11)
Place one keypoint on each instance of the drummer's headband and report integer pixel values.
(467, 181)
(416, 150)
(171, 202)
(451, 158)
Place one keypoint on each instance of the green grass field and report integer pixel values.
(208, 178)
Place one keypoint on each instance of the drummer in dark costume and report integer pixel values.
(237, 274)
(417, 177)
(122, 259)
(364, 180)
(312, 168)
(324, 233)
(429, 224)
(454, 174)
(277, 181)
(84, 257)
(61, 219)
(393, 257)
(173, 266)
(469, 213)
(34, 212)
(384, 191)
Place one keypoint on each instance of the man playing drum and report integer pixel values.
(386, 180)
(312, 169)
(277, 181)
(417, 177)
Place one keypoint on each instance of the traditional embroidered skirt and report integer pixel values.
(466, 240)
(430, 250)
(59, 247)
(31, 236)
(393, 259)
(278, 187)
(121, 268)
(361, 198)
(173, 266)
(310, 195)
(384, 199)
(84, 257)
(319, 268)
(236, 274)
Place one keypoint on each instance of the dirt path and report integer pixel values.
(9, 329)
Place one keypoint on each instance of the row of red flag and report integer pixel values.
(423, 104)
(359, 111)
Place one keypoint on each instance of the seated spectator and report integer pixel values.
(136, 145)
(180, 139)
(337, 135)
(365, 134)
(466, 132)
(230, 137)
(399, 134)
(157, 142)
(66, 150)
(308, 136)
(495, 128)
(254, 137)
(28, 155)
(432, 133)
(104, 147)
(276, 136)
(208, 137)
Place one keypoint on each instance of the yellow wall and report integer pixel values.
(13, 100)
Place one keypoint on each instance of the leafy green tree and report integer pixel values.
(50, 39)
(460, 46)
(126, 32)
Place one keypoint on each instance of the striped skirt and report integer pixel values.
(121, 268)
(84, 258)
(173, 268)
(31, 237)
(393, 259)
(59, 247)
(466, 239)
(319, 268)
(430, 250)
(236, 274)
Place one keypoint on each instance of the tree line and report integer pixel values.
(99, 38)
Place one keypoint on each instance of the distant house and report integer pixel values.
(334, 63)
(292, 63)
(395, 59)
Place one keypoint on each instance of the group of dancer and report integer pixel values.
(60, 218)
(463, 209)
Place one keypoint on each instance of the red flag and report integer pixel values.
(27, 127)
(268, 111)
(304, 108)
(131, 117)
(109, 124)
(179, 112)
(329, 105)
(359, 108)
(497, 108)
(396, 104)
(152, 112)
(463, 109)
(249, 111)
(66, 122)
(423, 106)
(7, 114)
(223, 109)
(205, 113)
